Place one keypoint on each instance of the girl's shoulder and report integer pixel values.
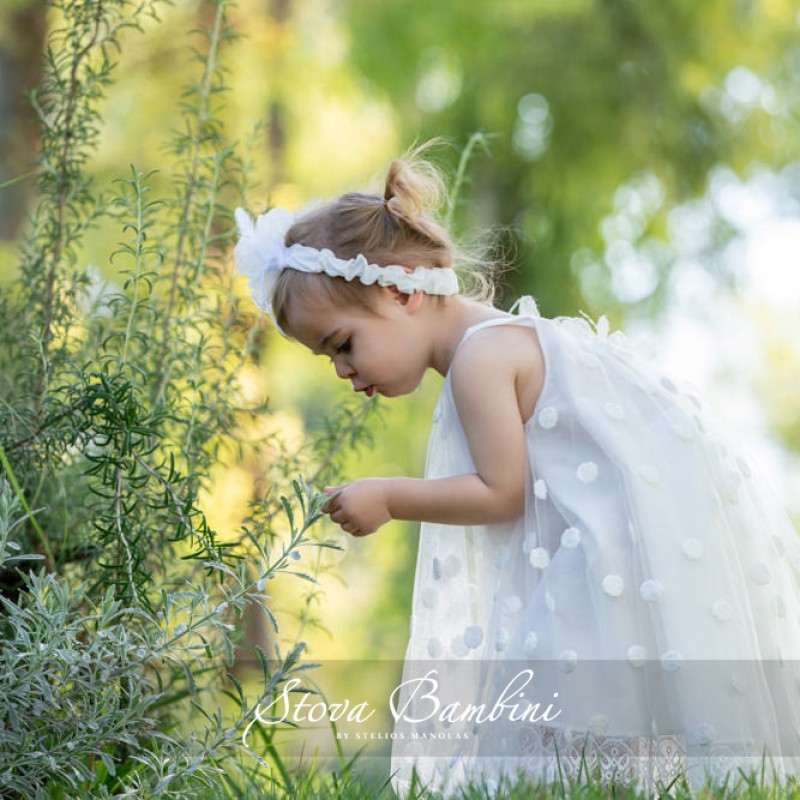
(509, 339)
(506, 350)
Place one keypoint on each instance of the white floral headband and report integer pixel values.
(261, 254)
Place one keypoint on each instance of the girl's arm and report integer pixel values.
(485, 378)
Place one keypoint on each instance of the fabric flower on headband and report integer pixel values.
(261, 255)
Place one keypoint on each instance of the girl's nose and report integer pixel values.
(343, 369)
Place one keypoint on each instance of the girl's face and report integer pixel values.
(379, 351)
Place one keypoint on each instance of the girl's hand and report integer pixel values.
(360, 507)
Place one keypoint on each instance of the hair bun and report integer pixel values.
(414, 187)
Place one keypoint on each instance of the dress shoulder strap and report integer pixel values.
(527, 306)
(527, 315)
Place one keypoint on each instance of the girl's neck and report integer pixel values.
(449, 322)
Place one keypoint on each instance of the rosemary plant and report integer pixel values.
(124, 615)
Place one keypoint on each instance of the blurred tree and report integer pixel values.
(584, 96)
(22, 34)
(279, 12)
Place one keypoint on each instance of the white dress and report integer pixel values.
(649, 594)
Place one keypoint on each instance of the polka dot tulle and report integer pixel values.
(650, 561)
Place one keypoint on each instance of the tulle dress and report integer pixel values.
(640, 620)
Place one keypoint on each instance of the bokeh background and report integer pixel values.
(635, 159)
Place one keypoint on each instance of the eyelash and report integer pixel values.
(344, 347)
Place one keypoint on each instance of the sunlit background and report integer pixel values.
(639, 160)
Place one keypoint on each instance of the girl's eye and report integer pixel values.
(344, 347)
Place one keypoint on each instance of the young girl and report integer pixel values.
(601, 581)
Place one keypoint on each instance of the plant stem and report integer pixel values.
(61, 203)
(203, 115)
(41, 534)
(477, 138)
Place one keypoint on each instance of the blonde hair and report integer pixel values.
(397, 228)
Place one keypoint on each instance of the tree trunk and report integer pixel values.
(23, 28)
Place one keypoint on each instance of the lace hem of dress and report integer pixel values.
(651, 762)
(544, 755)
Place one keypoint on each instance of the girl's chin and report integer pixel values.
(398, 388)
(396, 391)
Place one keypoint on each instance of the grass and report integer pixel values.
(353, 783)
(749, 787)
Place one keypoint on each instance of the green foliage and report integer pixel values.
(115, 405)
(79, 61)
(584, 97)
(92, 689)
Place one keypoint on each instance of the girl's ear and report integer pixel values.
(412, 302)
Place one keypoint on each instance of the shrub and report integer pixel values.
(116, 403)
